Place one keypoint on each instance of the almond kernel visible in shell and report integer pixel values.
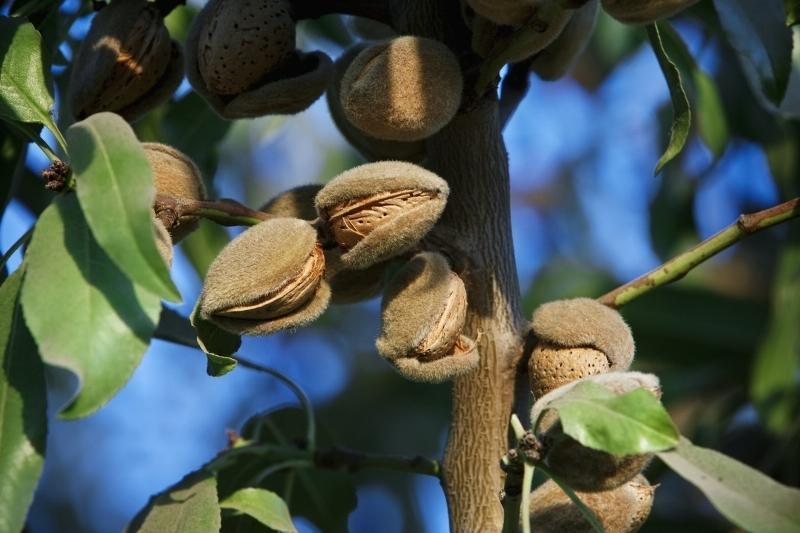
(551, 366)
(352, 221)
(242, 42)
(445, 334)
(380, 210)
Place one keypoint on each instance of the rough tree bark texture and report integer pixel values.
(469, 153)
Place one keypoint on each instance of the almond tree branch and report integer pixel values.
(679, 266)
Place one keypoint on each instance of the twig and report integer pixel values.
(677, 267)
(226, 212)
(513, 89)
(353, 460)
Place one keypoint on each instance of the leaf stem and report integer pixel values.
(677, 267)
(226, 212)
(525, 502)
(14, 247)
(302, 397)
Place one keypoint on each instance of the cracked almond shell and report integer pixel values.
(423, 314)
(372, 148)
(644, 11)
(240, 43)
(267, 279)
(405, 89)
(290, 87)
(620, 510)
(576, 338)
(297, 202)
(176, 175)
(556, 60)
(126, 64)
(379, 210)
(584, 468)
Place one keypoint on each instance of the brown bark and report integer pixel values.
(475, 229)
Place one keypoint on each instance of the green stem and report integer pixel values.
(14, 247)
(679, 266)
(225, 212)
(525, 503)
(305, 402)
(62, 142)
(273, 469)
(587, 513)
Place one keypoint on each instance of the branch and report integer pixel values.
(226, 212)
(351, 460)
(379, 10)
(679, 266)
(513, 89)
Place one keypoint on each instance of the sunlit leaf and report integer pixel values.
(681, 110)
(24, 95)
(742, 494)
(115, 188)
(190, 506)
(757, 31)
(23, 413)
(634, 422)
(263, 505)
(83, 312)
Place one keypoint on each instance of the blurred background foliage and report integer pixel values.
(588, 215)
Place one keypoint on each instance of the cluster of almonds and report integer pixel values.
(335, 243)
(553, 33)
(583, 340)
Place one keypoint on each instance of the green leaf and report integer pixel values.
(778, 359)
(115, 188)
(632, 423)
(263, 505)
(190, 506)
(211, 338)
(682, 113)
(23, 410)
(757, 31)
(219, 365)
(744, 495)
(702, 90)
(24, 96)
(83, 312)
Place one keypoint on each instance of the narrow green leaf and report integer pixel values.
(682, 113)
(190, 506)
(778, 359)
(24, 96)
(115, 188)
(213, 339)
(634, 422)
(702, 89)
(83, 312)
(263, 505)
(23, 413)
(757, 31)
(219, 365)
(742, 494)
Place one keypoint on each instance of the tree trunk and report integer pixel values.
(476, 230)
